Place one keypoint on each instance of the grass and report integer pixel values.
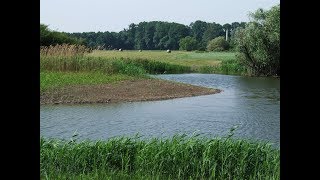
(50, 80)
(179, 157)
(64, 65)
(184, 58)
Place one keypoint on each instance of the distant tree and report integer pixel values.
(218, 44)
(258, 43)
(176, 32)
(198, 28)
(213, 30)
(49, 37)
(188, 43)
(161, 35)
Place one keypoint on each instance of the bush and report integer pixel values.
(218, 44)
(188, 43)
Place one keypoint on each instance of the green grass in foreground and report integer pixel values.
(49, 80)
(178, 157)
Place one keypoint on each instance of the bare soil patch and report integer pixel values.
(124, 91)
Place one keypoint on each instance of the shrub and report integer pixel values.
(188, 43)
(218, 44)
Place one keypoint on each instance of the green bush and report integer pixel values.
(218, 44)
(188, 43)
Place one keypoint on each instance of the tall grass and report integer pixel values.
(179, 157)
(66, 58)
(226, 67)
(64, 50)
(157, 67)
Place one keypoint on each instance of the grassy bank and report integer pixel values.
(176, 158)
(204, 62)
(175, 57)
(51, 80)
(200, 62)
(68, 75)
(134, 63)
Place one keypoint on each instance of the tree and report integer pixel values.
(218, 44)
(188, 43)
(49, 37)
(197, 29)
(213, 30)
(258, 43)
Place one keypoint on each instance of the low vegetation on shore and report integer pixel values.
(69, 75)
(179, 157)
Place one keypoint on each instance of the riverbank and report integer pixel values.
(139, 89)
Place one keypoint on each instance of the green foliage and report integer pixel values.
(188, 43)
(226, 67)
(179, 157)
(259, 43)
(157, 67)
(153, 35)
(49, 37)
(218, 44)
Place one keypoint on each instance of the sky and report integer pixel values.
(115, 15)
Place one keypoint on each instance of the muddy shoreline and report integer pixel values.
(124, 91)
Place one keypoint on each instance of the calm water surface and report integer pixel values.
(253, 104)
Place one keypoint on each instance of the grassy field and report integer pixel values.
(179, 157)
(192, 59)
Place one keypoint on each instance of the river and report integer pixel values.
(250, 103)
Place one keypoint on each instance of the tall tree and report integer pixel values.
(197, 29)
(259, 42)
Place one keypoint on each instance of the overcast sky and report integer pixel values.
(115, 15)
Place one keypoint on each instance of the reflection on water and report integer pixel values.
(251, 103)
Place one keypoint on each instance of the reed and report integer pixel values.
(179, 157)
(70, 58)
(65, 50)
(225, 67)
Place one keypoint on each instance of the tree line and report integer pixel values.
(49, 37)
(158, 35)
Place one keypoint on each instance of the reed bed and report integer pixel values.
(64, 50)
(231, 67)
(179, 157)
(71, 58)
(77, 58)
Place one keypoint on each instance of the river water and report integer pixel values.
(252, 104)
